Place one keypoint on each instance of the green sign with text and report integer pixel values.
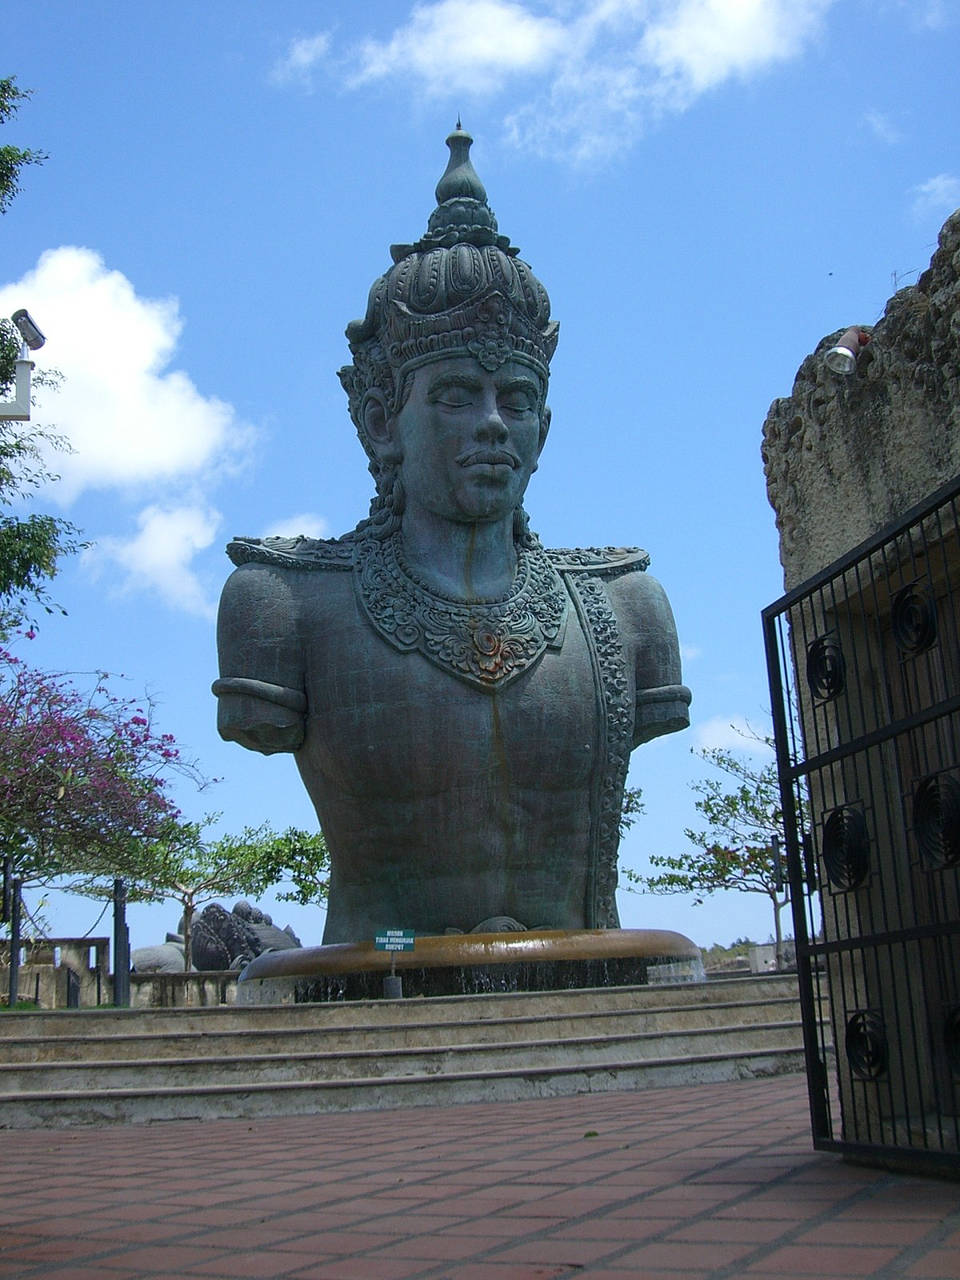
(394, 940)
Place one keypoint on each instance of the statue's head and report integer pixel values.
(460, 293)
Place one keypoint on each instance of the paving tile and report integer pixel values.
(74, 1273)
(567, 1253)
(831, 1262)
(620, 1230)
(445, 1248)
(684, 1257)
(779, 1209)
(495, 1228)
(936, 1264)
(197, 1219)
(617, 1273)
(260, 1265)
(512, 1271)
(404, 1224)
(719, 1230)
(158, 1257)
(242, 1238)
(865, 1231)
(360, 1269)
(51, 1251)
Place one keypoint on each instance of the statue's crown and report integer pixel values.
(460, 290)
(462, 215)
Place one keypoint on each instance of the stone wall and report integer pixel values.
(844, 456)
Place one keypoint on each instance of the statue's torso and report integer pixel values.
(465, 761)
(434, 785)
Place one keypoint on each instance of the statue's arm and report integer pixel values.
(260, 696)
(650, 634)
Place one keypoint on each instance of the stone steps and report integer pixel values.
(122, 1044)
(99, 1066)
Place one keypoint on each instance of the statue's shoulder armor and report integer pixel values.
(295, 553)
(599, 562)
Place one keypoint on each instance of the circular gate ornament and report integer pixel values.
(866, 1045)
(826, 668)
(914, 618)
(846, 848)
(936, 820)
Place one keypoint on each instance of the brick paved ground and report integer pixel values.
(713, 1182)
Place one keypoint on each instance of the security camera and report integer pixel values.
(28, 330)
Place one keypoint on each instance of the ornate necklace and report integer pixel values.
(486, 643)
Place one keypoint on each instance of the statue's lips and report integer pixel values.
(489, 458)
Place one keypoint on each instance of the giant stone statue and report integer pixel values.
(461, 702)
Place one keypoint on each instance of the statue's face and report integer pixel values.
(469, 438)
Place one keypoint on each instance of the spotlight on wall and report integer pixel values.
(843, 357)
(31, 339)
(28, 329)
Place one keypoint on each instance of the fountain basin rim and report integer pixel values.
(464, 949)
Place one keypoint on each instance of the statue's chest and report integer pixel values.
(386, 722)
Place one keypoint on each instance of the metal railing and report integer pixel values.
(864, 668)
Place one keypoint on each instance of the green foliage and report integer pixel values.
(735, 849)
(32, 546)
(631, 809)
(13, 159)
(735, 956)
(9, 351)
(83, 776)
(297, 858)
(191, 870)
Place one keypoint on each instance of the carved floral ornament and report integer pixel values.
(485, 643)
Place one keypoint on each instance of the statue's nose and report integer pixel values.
(491, 428)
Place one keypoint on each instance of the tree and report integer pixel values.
(258, 859)
(31, 546)
(187, 868)
(737, 848)
(13, 159)
(630, 809)
(83, 776)
(294, 857)
(191, 870)
(84, 780)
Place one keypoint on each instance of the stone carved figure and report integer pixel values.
(461, 702)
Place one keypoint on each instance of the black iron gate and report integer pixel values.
(864, 666)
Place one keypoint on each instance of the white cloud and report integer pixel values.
(301, 58)
(697, 44)
(690, 652)
(933, 14)
(134, 423)
(129, 418)
(937, 196)
(160, 555)
(463, 46)
(882, 127)
(588, 75)
(307, 523)
(729, 733)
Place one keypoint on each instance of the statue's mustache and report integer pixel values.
(489, 457)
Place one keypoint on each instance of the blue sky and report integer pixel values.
(706, 187)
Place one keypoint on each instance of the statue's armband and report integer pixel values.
(261, 702)
(264, 717)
